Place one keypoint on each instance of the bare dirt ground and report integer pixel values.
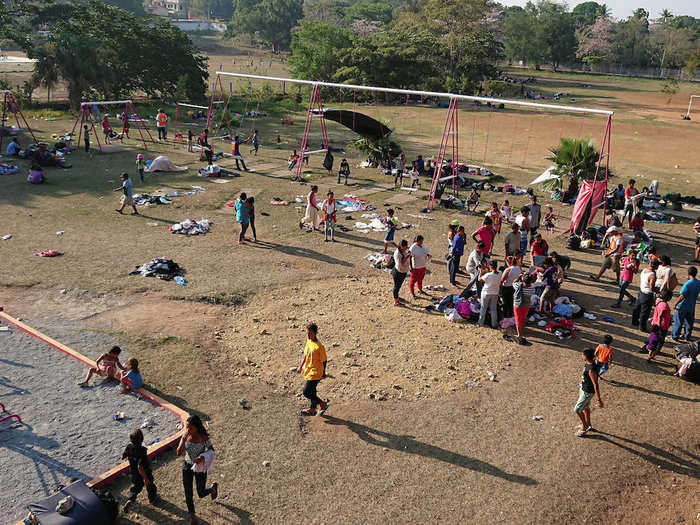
(426, 447)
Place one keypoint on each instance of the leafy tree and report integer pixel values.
(101, 50)
(595, 42)
(269, 20)
(369, 10)
(587, 13)
(316, 50)
(519, 28)
(324, 11)
(133, 6)
(631, 45)
(574, 160)
(222, 9)
(692, 64)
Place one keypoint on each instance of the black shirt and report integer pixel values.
(586, 381)
(137, 457)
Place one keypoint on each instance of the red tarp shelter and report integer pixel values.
(590, 198)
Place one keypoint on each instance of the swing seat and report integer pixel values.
(315, 151)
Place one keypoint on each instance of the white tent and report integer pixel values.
(547, 175)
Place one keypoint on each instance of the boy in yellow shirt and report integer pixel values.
(314, 368)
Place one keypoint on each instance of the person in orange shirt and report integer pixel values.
(495, 216)
(611, 256)
(603, 355)
(314, 368)
(161, 124)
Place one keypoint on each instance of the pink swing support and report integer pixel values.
(10, 105)
(450, 136)
(315, 109)
(85, 118)
(11, 416)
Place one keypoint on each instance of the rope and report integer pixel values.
(488, 135)
(529, 136)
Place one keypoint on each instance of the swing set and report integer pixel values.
(9, 105)
(450, 135)
(89, 112)
(180, 117)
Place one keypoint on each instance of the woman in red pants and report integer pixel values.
(420, 256)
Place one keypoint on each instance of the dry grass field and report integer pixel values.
(406, 439)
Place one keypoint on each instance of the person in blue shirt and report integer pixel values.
(455, 254)
(13, 148)
(132, 379)
(128, 197)
(242, 216)
(236, 151)
(684, 314)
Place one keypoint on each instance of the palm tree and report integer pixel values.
(604, 11)
(574, 159)
(666, 15)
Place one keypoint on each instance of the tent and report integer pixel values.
(87, 510)
(358, 122)
(162, 163)
(590, 198)
(547, 175)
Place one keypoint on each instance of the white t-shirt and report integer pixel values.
(663, 275)
(474, 261)
(420, 255)
(696, 227)
(519, 221)
(492, 283)
(644, 281)
(513, 274)
(401, 267)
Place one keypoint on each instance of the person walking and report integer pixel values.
(684, 309)
(162, 125)
(455, 254)
(489, 293)
(329, 208)
(588, 387)
(420, 256)
(139, 469)
(313, 366)
(662, 317)
(312, 210)
(643, 306)
(402, 265)
(236, 152)
(128, 194)
(242, 216)
(198, 451)
(107, 129)
(612, 254)
(629, 266)
(344, 170)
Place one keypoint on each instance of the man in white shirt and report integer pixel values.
(420, 256)
(489, 294)
(474, 263)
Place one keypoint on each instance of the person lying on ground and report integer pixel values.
(107, 366)
(132, 379)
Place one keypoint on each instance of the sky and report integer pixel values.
(624, 8)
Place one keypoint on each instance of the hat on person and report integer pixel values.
(124, 175)
(139, 156)
(454, 223)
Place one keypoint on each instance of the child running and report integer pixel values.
(107, 365)
(140, 469)
(313, 367)
(588, 387)
(132, 380)
(603, 355)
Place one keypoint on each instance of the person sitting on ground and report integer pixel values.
(107, 366)
(473, 201)
(13, 148)
(36, 174)
(603, 354)
(132, 379)
(637, 223)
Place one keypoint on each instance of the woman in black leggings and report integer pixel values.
(402, 265)
(193, 444)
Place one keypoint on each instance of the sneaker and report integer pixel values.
(308, 412)
(524, 342)
(214, 490)
(323, 407)
(582, 433)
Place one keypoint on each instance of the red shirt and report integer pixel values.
(630, 191)
(105, 125)
(485, 235)
(539, 248)
(637, 224)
